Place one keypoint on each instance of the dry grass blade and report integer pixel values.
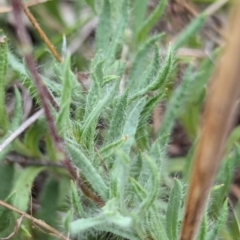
(218, 119)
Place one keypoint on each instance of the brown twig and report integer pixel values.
(38, 222)
(217, 121)
(44, 95)
(41, 33)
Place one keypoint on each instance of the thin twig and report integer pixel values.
(38, 222)
(218, 119)
(21, 129)
(41, 33)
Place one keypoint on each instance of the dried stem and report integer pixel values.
(38, 222)
(44, 94)
(217, 121)
(41, 33)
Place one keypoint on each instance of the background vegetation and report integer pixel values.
(97, 141)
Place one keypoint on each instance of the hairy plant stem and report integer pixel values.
(44, 96)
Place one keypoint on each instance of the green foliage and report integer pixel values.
(3, 72)
(89, 171)
(47, 212)
(107, 133)
(23, 185)
(189, 31)
(161, 78)
(139, 12)
(150, 21)
(175, 103)
(174, 206)
(63, 120)
(7, 177)
(103, 34)
(140, 62)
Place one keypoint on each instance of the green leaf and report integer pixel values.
(91, 3)
(90, 123)
(141, 193)
(17, 115)
(109, 149)
(7, 177)
(95, 88)
(152, 70)
(88, 170)
(3, 73)
(151, 20)
(189, 31)
(139, 63)
(33, 136)
(118, 118)
(123, 233)
(8, 219)
(23, 187)
(213, 233)
(119, 32)
(48, 201)
(103, 32)
(131, 124)
(177, 100)
(224, 178)
(82, 224)
(142, 136)
(139, 12)
(156, 225)
(63, 121)
(162, 78)
(173, 210)
(119, 172)
(136, 166)
(112, 214)
(153, 191)
(202, 233)
(75, 201)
